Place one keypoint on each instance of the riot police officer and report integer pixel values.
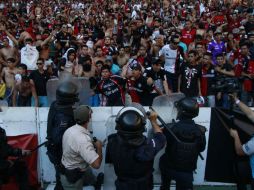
(60, 118)
(182, 151)
(130, 152)
(17, 168)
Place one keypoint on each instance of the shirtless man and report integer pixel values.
(159, 43)
(122, 58)
(23, 92)
(8, 52)
(8, 76)
(38, 12)
(99, 55)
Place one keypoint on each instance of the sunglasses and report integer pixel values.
(39, 63)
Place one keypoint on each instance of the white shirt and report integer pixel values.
(170, 58)
(78, 148)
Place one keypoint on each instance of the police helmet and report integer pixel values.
(82, 114)
(187, 108)
(131, 119)
(67, 93)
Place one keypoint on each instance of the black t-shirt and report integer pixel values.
(227, 67)
(249, 26)
(189, 79)
(40, 81)
(158, 77)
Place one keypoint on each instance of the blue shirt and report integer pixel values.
(248, 148)
(115, 69)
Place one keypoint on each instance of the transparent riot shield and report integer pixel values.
(164, 106)
(3, 106)
(84, 91)
(83, 85)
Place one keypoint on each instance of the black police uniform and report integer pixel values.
(60, 118)
(133, 164)
(18, 169)
(180, 157)
(178, 163)
(132, 155)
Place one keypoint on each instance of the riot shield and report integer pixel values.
(164, 106)
(3, 106)
(52, 85)
(83, 85)
(84, 91)
(109, 173)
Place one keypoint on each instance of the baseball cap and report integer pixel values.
(109, 58)
(136, 66)
(82, 114)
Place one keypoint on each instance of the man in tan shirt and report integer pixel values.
(80, 152)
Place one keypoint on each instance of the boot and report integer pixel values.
(99, 181)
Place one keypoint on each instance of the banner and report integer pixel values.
(223, 165)
(27, 142)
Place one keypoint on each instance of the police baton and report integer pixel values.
(39, 146)
(164, 124)
(168, 129)
(35, 149)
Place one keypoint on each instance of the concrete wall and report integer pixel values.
(19, 121)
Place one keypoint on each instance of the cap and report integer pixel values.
(109, 58)
(156, 61)
(136, 66)
(82, 114)
(218, 32)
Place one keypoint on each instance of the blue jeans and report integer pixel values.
(43, 101)
(8, 96)
(94, 100)
(172, 80)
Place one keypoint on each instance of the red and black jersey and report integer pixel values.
(188, 36)
(139, 90)
(207, 80)
(113, 90)
(218, 20)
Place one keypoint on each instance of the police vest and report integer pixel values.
(123, 158)
(60, 118)
(183, 155)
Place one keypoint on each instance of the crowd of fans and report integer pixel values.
(129, 50)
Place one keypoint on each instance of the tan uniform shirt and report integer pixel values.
(78, 149)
